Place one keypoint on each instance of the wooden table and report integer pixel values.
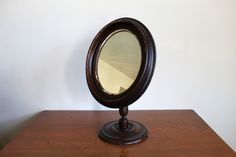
(172, 133)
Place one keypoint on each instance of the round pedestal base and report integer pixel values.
(111, 133)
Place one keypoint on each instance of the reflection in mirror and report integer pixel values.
(119, 62)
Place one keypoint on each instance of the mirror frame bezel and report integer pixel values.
(146, 71)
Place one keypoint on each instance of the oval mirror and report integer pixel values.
(119, 62)
(119, 67)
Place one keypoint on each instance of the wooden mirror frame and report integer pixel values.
(122, 131)
(147, 67)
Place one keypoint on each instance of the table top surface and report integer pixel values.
(172, 133)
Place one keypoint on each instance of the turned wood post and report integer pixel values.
(123, 121)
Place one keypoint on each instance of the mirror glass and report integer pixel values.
(119, 62)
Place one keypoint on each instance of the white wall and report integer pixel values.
(44, 43)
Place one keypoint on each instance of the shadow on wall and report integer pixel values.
(16, 108)
(76, 76)
(75, 72)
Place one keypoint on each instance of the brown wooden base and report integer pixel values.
(112, 133)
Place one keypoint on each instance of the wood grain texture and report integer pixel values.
(172, 133)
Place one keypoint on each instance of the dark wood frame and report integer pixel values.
(146, 70)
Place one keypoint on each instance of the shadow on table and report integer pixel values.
(14, 128)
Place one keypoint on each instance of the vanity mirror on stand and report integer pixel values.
(119, 67)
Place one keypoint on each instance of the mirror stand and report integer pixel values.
(123, 131)
(119, 67)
